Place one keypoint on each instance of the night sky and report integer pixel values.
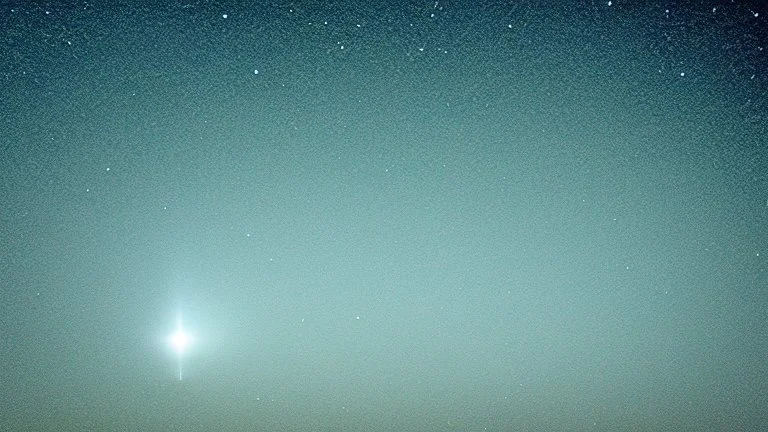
(384, 216)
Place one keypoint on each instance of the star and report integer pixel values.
(179, 341)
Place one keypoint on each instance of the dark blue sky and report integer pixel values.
(400, 216)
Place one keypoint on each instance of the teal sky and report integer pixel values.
(397, 216)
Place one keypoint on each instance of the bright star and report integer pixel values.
(179, 341)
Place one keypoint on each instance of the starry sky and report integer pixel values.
(384, 216)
